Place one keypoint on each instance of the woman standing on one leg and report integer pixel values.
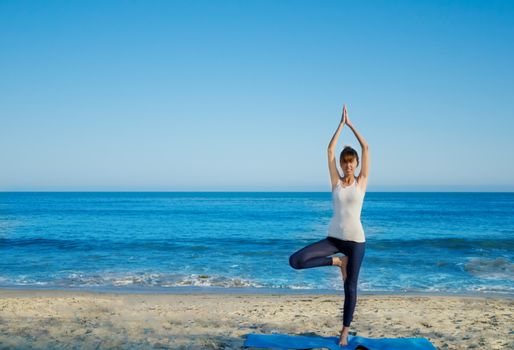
(345, 231)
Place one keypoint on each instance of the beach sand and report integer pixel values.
(90, 320)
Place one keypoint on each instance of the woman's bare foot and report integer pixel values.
(343, 336)
(342, 263)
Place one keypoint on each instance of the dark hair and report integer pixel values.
(348, 154)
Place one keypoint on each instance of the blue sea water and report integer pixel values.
(416, 242)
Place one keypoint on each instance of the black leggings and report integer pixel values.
(317, 254)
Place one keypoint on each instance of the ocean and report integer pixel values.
(426, 242)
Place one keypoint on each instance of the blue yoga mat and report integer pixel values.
(284, 341)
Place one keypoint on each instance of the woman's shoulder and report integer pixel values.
(338, 183)
(361, 184)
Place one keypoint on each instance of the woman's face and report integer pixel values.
(349, 166)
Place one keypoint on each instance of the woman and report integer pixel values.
(345, 231)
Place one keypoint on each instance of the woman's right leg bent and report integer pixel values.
(313, 255)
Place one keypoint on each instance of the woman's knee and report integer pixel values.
(295, 262)
(350, 288)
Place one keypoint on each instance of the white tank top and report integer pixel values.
(346, 221)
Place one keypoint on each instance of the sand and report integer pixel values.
(91, 320)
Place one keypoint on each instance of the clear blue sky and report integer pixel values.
(245, 95)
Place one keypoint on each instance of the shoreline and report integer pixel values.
(236, 291)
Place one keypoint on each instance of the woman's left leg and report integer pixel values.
(355, 252)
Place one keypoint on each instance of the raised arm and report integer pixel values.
(332, 167)
(362, 179)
